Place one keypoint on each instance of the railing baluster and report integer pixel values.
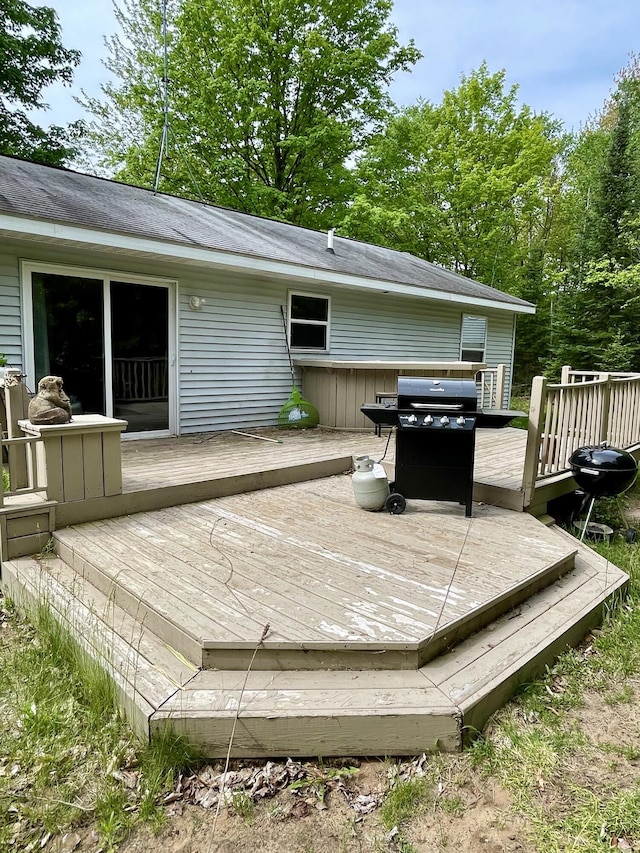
(589, 407)
(27, 446)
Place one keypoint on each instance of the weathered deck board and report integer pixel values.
(301, 713)
(499, 455)
(480, 676)
(323, 573)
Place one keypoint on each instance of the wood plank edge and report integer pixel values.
(477, 709)
(459, 629)
(162, 626)
(307, 736)
(146, 500)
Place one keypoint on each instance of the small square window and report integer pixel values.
(473, 338)
(309, 308)
(308, 322)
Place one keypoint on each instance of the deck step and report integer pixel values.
(146, 670)
(482, 673)
(362, 713)
(374, 592)
(90, 563)
(302, 713)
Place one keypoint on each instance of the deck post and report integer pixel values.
(565, 374)
(16, 407)
(534, 435)
(606, 406)
(79, 460)
(500, 383)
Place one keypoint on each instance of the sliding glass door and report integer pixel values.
(68, 336)
(140, 355)
(110, 340)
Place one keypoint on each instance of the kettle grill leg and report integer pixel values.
(586, 524)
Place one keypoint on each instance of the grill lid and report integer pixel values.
(602, 470)
(603, 458)
(426, 393)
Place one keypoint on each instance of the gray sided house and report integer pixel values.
(167, 312)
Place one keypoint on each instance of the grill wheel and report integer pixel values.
(395, 503)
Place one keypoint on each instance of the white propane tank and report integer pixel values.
(370, 484)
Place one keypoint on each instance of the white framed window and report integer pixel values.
(309, 316)
(473, 338)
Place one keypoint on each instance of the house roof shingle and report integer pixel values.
(58, 195)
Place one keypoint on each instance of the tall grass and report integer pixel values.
(68, 756)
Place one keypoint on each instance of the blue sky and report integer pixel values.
(564, 54)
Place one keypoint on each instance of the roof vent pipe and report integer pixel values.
(330, 234)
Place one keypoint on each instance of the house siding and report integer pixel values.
(500, 340)
(10, 321)
(233, 369)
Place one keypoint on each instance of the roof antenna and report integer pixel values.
(166, 126)
(164, 139)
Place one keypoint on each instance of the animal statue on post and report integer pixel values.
(50, 405)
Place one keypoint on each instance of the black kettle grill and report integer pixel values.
(602, 471)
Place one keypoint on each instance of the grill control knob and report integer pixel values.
(444, 420)
(412, 419)
(428, 420)
(460, 421)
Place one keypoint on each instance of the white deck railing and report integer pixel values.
(141, 378)
(586, 408)
(490, 383)
(22, 467)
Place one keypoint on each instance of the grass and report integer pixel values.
(68, 758)
(69, 761)
(536, 744)
(520, 404)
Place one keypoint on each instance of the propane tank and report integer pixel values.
(370, 484)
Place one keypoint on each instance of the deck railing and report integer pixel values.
(490, 382)
(22, 467)
(586, 408)
(140, 378)
(18, 454)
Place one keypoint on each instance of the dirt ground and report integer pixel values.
(484, 823)
(467, 812)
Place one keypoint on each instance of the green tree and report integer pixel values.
(31, 58)
(616, 190)
(595, 324)
(268, 99)
(472, 184)
(466, 183)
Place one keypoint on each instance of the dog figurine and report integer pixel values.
(50, 405)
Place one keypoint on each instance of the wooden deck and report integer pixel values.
(194, 459)
(338, 586)
(235, 581)
(372, 634)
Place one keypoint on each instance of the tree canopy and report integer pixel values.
(31, 58)
(470, 184)
(464, 183)
(268, 101)
(281, 108)
(594, 322)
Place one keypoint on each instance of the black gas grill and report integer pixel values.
(435, 422)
